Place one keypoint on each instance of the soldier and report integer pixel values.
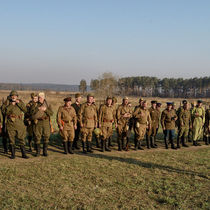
(41, 114)
(77, 106)
(158, 107)
(168, 119)
(28, 120)
(207, 127)
(185, 123)
(190, 135)
(152, 132)
(67, 123)
(124, 113)
(142, 122)
(88, 121)
(14, 123)
(198, 118)
(106, 119)
(4, 130)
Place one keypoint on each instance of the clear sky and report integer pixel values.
(64, 41)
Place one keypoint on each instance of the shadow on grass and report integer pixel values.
(146, 164)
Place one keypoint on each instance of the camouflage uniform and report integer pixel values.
(67, 119)
(207, 127)
(41, 120)
(168, 119)
(88, 121)
(123, 125)
(142, 121)
(106, 119)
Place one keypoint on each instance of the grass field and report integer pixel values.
(149, 179)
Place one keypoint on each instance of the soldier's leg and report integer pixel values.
(64, 136)
(46, 138)
(103, 138)
(71, 135)
(83, 138)
(5, 139)
(30, 136)
(171, 136)
(89, 139)
(109, 133)
(185, 135)
(179, 137)
(76, 138)
(166, 136)
(37, 138)
(12, 135)
(148, 138)
(21, 134)
(142, 134)
(119, 137)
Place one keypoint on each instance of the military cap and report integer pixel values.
(41, 94)
(184, 101)
(199, 101)
(108, 97)
(169, 104)
(33, 95)
(67, 99)
(13, 93)
(90, 95)
(159, 104)
(153, 102)
(114, 99)
(125, 98)
(141, 99)
(77, 95)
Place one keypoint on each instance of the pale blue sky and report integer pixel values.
(60, 41)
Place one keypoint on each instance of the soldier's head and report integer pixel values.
(41, 97)
(154, 104)
(125, 101)
(199, 103)
(34, 97)
(90, 98)
(13, 95)
(141, 101)
(185, 105)
(114, 100)
(109, 100)
(67, 101)
(169, 105)
(184, 101)
(158, 105)
(78, 97)
(144, 104)
(173, 105)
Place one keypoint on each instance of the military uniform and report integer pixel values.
(142, 121)
(168, 119)
(67, 119)
(124, 114)
(185, 123)
(207, 127)
(15, 125)
(198, 119)
(152, 131)
(106, 119)
(41, 126)
(88, 121)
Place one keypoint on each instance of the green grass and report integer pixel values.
(148, 179)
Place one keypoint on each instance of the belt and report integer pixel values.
(105, 120)
(67, 121)
(43, 118)
(15, 116)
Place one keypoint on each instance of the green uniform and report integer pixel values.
(41, 121)
(14, 123)
(207, 127)
(66, 118)
(198, 118)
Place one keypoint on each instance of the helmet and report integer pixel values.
(13, 93)
(97, 131)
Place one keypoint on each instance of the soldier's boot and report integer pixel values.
(4, 141)
(172, 144)
(166, 143)
(127, 144)
(139, 146)
(102, 145)
(23, 151)
(70, 147)
(136, 145)
(89, 147)
(119, 141)
(106, 146)
(45, 146)
(178, 143)
(155, 143)
(152, 142)
(194, 143)
(124, 144)
(37, 146)
(147, 142)
(197, 144)
(206, 140)
(83, 147)
(65, 147)
(12, 149)
(184, 142)
(97, 141)
(110, 142)
(76, 146)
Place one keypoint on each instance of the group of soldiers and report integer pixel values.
(82, 121)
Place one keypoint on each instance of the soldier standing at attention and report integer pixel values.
(207, 127)
(152, 132)
(41, 114)
(14, 123)
(88, 121)
(185, 123)
(168, 119)
(142, 122)
(77, 106)
(124, 113)
(198, 117)
(67, 123)
(28, 121)
(106, 119)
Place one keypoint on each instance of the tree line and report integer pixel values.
(146, 86)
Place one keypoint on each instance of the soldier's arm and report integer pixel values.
(137, 113)
(181, 118)
(1, 119)
(74, 118)
(58, 118)
(49, 111)
(22, 106)
(100, 115)
(80, 115)
(163, 116)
